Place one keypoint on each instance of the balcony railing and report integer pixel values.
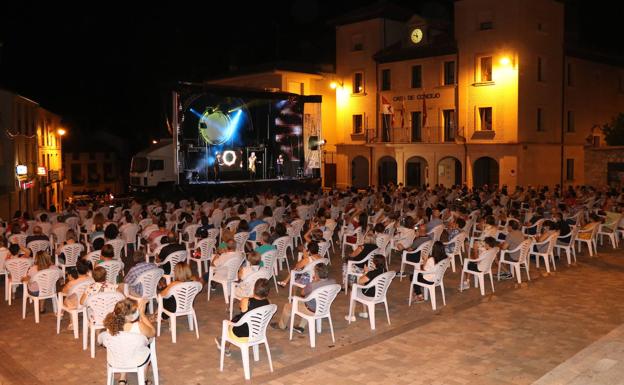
(430, 134)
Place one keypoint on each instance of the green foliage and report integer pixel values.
(614, 131)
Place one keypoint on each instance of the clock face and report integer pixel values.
(417, 35)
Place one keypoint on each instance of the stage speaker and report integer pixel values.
(313, 142)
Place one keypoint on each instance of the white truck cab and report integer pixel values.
(153, 167)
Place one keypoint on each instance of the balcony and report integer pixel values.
(430, 134)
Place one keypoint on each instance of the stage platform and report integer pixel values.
(202, 190)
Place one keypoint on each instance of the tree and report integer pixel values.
(614, 131)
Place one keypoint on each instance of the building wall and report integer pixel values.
(49, 145)
(99, 181)
(596, 165)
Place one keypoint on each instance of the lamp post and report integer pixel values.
(60, 132)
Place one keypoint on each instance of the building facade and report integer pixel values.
(490, 97)
(29, 151)
(92, 172)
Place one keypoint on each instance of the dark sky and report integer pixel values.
(104, 68)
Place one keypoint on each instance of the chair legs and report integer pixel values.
(371, 315)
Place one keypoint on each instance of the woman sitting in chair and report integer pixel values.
(260, 298)
(438, 255)
(182, 273)
(379, 267)
(129, 317)
(311, 254)
(42, 262)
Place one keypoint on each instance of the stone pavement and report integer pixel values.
(514, 336)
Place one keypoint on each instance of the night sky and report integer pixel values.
(106, 68)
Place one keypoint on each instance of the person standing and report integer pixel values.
(279, 166)
(217, 166)
(251, 165)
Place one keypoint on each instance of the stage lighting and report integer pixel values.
(217, 127)
(229, 157)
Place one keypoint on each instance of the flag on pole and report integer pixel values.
(403, 113)
(387, 109)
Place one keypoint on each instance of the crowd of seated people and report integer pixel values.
(492, 218)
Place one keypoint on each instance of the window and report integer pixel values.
(416, 131)
(75, 156)
(357, 124)
(569, 169)
(485, 118)
(621, 85)
(416, 76)
(76, 174)
(485, 25)
(109, 173)
(539, 124)
(569, 78)
(449, 125)
(156, 165)
(485, 64)
(92, 173)
(570, 126)
(358, 83)
(449, 73)
(385, 80)
(357, 43)
(540, 70)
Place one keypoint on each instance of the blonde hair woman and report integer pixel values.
(182, 273)
(42, 262)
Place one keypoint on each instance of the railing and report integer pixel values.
(429, 134)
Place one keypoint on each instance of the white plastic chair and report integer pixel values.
(268, 261)
(324, 297)
(295, 231)
(424, 249)
(76, 291)
(487, 257)
(381, 283)
(118, 246)
(436, 232)
(16, 269)
(281, 244)
(245, 288)
(591, 243)
(120, 348)
(93, 257)
(359, 239)
(206, 247)
(548, 255)
(113, 268)
(353, 270)
(184, 294)
(523, 260)
(97, 308)
(258, 230)
(129, 235)
(37, 246)
(458, 243)
(19, 239)
(257, 321)
(149, 284)
(438, 270)
(46, 280)
(240, 239)
(537, 226)
(173, 259)
(71, 253)
(225, 274)
(568, 247)
(608, 229)
(307, 269)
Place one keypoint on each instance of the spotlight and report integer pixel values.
(229, 157)
(154, 141)
(505, 61)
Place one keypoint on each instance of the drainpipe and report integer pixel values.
(563, 84)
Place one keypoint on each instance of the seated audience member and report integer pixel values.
(379, 267)
(428, 264)
(182, 273)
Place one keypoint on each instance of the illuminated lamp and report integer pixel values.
(229, 157)
(505, 61)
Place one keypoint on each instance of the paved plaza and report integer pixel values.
(557, 329)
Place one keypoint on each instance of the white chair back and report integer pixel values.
(206, 247)
(121, 349)
(19, 239)
(281, 244)
(268, 259)
(257, 320)
(113, 268)
(324, 296)
(184, 294)
(436, 232)
(94, 256)
(118, 245)
(149, 282)
(525, 248)
(100, 305)
(129, 233)
(458, 242)
(72, 253)
(382, 283)
(37, 246)
(46, 280)
(17, 268)
(440, 270)
(240, 239)
(213, 233)
(233, 225)
(175, 258)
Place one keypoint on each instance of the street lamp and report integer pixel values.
(61, 131)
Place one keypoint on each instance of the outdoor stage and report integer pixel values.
(205, 189)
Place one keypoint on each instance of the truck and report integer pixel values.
(153, 167)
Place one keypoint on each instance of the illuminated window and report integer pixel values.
(357, 124)
(569, 169)
(358, 83)
(449, 73)
(485, 69)
(485, 118)
(539, 123)
(416, 76)
(385, 80)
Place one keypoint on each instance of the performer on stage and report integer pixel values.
(217, 166)
(251, 165)
(279, 167)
